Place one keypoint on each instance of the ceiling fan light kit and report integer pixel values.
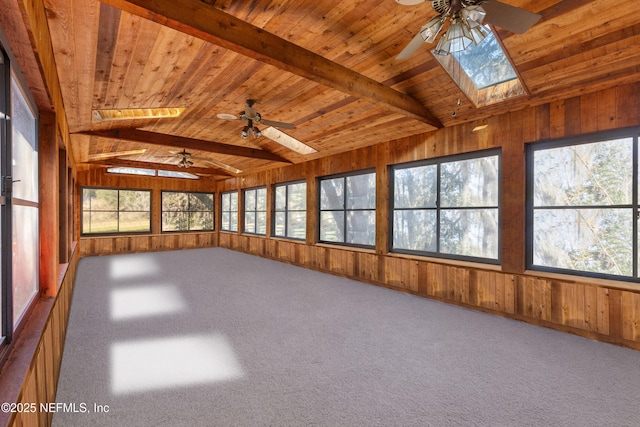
(467, 21)
(251, 116)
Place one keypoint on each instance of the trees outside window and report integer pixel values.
(448, 207)
(583, 202)
(255, 211)
(187, 211)
(229, 211)
(348, 209)
(290, 210)
(108, 210)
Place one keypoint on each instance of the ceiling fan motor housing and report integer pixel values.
(441, 6)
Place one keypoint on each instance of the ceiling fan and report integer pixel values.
(184, 158)
(466, 20)
(252, 116)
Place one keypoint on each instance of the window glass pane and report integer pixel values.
(332, 193)
(102, 200)
(332, 226)
(415, 230)
(415, 187)
(469, 232)
(261, 199)
(103, 222)
(174, 201)
(261, 222)
(233, 221)
(361, 227)
(132, 171)
(297, 225)
(250, 200)
(25, 258)
(200, 221)
(361, 191)
(174, 221)
(281, 197)
(468, 183)
(592, 240)
(24, 143)
(584, 175)
(135, 200)
(250, 222)
(298, 197)
(234, 201)
(134, 222)
(200, 201)
(280, 218)
(225, 225)
(225, 202)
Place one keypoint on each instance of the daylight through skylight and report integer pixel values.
(485, 63)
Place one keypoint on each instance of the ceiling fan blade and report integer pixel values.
(277, 124)
(226, 116)
(509, 17)
(411, 48)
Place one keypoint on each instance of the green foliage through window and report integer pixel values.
(187, 211)
(106, 210)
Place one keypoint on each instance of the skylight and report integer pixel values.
(485, 63)
(483, 72)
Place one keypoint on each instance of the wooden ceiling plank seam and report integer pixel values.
(604, 60)
(148, 32)
(193, 17)
(583, 47)
(577, 24)
(108, 25)
(125, 65)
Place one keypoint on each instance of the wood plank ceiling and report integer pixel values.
(326, 66)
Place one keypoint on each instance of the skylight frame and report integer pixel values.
(488, 95)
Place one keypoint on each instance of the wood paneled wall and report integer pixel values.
(41, 381)
(155, 241)
(606, 310)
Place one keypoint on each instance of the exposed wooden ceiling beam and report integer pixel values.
(208, 23)
(164, 166)
(147, 137)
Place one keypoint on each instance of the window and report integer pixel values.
(448, 207)
(255, 211)
(182, 211)
(106, 210)
(151, 172)
(348, 209)
(24, 203)
(583, 205)
(290, 210)
(229, 210)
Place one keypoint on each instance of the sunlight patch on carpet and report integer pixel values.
(145, 301)
(166, 363)
(131, 267)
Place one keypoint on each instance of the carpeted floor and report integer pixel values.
(212, 337)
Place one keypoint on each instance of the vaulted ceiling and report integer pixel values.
(326, 66)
